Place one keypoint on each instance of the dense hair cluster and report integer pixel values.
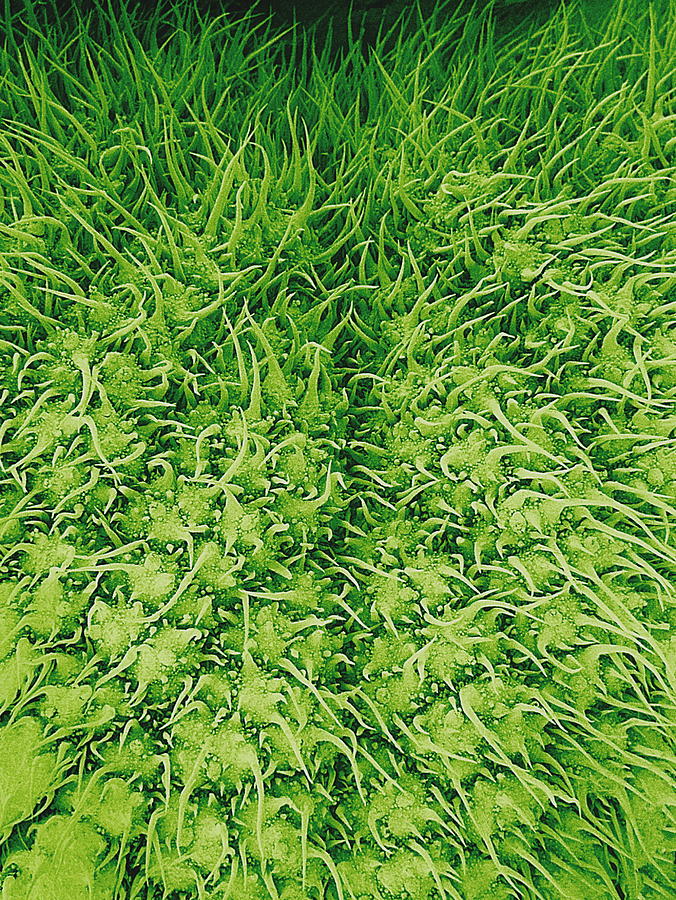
(337, 462)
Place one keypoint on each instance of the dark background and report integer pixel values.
(363, 18)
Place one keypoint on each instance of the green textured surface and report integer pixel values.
(337, 459)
